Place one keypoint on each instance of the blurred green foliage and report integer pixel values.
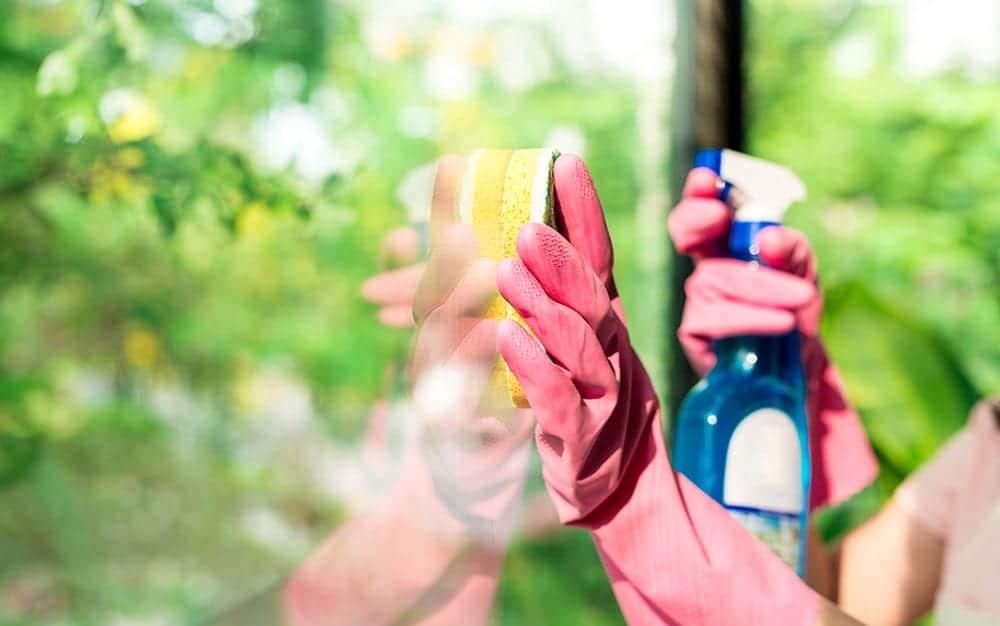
(173, 276)
(902, 211)
(179, 250)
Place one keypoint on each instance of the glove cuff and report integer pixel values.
(580, 500)
(843, 461)
(674, 556)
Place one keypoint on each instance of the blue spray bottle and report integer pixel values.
(741, 433)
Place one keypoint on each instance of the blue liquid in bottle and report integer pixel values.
(741, 433)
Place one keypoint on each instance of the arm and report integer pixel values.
(821, 565)
(830, 615)
(430, 551)
(377, 565)
(405, 558)
(890, 568)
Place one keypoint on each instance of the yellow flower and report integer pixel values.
(391, 44)
(245, 394)
(254, 221)
(481, 51)
(121, 184)
(130, 158)
(201, 64)
(141, 348)
(54, 415)
(139, 120)
(110, 181)
(471, 46)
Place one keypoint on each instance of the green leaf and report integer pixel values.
(18, 455)
(130, 32)
(58, 74)
(903, 378)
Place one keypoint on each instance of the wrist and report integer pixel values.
(843, 461)
(815, 362)
(596, 487)
(648, 456)
(674, 555)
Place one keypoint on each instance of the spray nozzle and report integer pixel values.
(759, 191)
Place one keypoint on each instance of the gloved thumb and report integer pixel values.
(788, 250)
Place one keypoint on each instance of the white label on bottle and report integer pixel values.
(764, 464)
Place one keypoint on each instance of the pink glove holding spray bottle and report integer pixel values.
(727, 298)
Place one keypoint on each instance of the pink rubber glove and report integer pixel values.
(727, 298)
(477, 451)
(429, 552)
(393, 290)
(674, 556)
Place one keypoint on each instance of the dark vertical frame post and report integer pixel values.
(708, 111)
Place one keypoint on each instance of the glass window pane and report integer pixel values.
(193, 393)
(888, 112)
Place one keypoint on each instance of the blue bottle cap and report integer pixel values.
(712, 159)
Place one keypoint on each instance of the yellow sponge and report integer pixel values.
(502, 191)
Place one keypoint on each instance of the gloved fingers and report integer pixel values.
(549, 389)
(457, 432)
(747, 283)
(729, 319)
(475, 291)
(444, 199)
(788, 250)
(435, 349)
(581, 214)
(393, 287)
(565, 275)
(450, 257)
(401, 246)
(478, 347)
(444, 330)
(501, 428)
(698, 350)
(569, 340)
(702, 182)
(488, 442)
(699, 226)
(396, 316)
(480, 486)
(451, 376)
(809, 316)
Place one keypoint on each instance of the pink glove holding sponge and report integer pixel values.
(674, 556)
